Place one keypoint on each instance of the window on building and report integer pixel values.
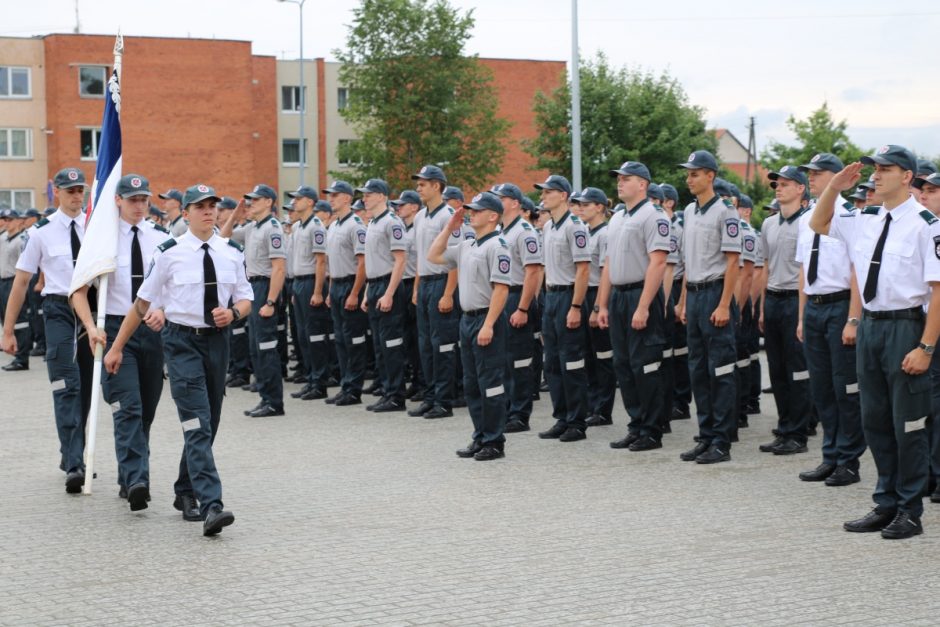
(19, 199)
(91, 139)
(342, 98)
(92, 80)
(291, 99)
(15, 143)
(14, 82)
(348, 152)
(290, 152)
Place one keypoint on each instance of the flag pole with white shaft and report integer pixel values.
(98, 254)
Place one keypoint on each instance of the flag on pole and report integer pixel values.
(98, 254)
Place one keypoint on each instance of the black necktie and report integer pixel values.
(813, 261)
(137, 265)
(871, 283)
(210, 298)
(76, 244)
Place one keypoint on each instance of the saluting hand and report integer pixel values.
(112, 361)
(456, 220)
(847, 178)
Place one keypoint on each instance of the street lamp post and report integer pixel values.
(303, 97)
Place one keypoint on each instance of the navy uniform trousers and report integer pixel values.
(22, 328)
(388, 333)
(416, 376)
(682, 395)
(438, 334)
(301, 291)
(520, 355)
(133, 394)
(599, 360)
(349, 328)
(786, 364)
(264, 339)
(564, 359)
(484, 377)
(240, 362)
(756, 385)
(196, 365)
(34, 299)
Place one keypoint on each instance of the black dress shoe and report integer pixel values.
(122, 493)
(872, 521)
(543, 387)
(598, 421)
(935, 495)
(74, 481)
(15, 367)
(372, 406)
(770, 446)
(536, 396)
(790, 447)
(332, 400)
(348, 399)
(417, 396)
(843, 476)
(646, 443)
(422, 409)
(251, 387)
(389, 405)
(665, 427)
(625, 442)
(811, 431)
(298, 378)
(555, 432)
(266, 411)
(768, 390)
(713, 455)
(680, 414)
(692, 454)
(249, 412)
(515, 426)
(438, 412)
(820, 473)
(375, 389)
(313, 394)
(299, 393)
(742, 422)
(39, 351)
(487, 453)
(460, 401)
(137, 496)
(753, 410)
(216, 519)
(236, 382)
(470, 450)
(903, 526)
(411, 391)
(572, 434)
(187, 504)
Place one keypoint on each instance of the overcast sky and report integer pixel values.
(735, 58)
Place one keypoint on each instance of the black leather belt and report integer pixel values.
(408, 280)
(515, 288)
(304, 277)
(9, 278)
(182, 328)
(427, 278)
(113, 318)
(559, 288)
(913, 313)
(825, 299)
(626, 287)
(344, 279)
(57, 298)
(704, 285)
(476, 312)
(379, 279)
(783, 293)
(255, 279)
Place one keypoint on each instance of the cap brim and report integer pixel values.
(543, 186)
(201, 198)
(875, 159)
(71, 184)
(615, 173)
(145, 192)
(807, 167)
(165, 197)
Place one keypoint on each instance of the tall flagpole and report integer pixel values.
(92, 426)
(575, 100)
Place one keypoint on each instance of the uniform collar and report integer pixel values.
(703, 208)
(215, 242)
(126, 228)
(512, 224)
(490, 235)
(598, 227)
(431, 214)
(381, 215)
(636, 207)
(900, 211)
(259, 224)
(557, 225)
(795, 216)
(65, 219)
(304, 224)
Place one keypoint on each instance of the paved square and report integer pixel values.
(343, 516)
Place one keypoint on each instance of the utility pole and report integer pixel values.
(751, 152)
(77, 24)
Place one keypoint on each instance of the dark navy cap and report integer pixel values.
(376, 186)
(69, 177)
(926, 166)
(869, 184)
(619, 206)
(721, 187)
(155, 212)
(487, 201)
(49, 211)
(323, 205)
(790, 172)
(453, 193)
(590, 194)
(930, 179)
(633, 168)
(823, 161)
(7, 214)
(891, 154)
(773, 206)
(735, 192)
(133, 185)
(555, 181)
(226, 203)
(32, 213)
(669, 191)
(339, 187)
(541, 207)
(288, 208)
(198, 192)
(358, 205)
(262, 191)
(172, 194)
(305, 191)
(527, 204)
(508, 190)
(859, 194)
(701, 160)
(655, 192)
(745, 202)
(430, 173)
(408, 197)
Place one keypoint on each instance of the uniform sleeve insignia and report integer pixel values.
(580, 239)
(732, 227)
(275, 240)
(503, 263)
(397, 232)
(531, 245)
(361, 234)
(673, 244)
(749, 244)
(318, 237)
(663, 227)
(936, 245)
(167, 245)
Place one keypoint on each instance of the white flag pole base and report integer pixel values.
(92, 426)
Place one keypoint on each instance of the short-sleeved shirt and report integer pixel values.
(759, 253)
(120, 281)
(411, 255)
(49, 250)
(779, 237)
(748, 244)
(178, 226)
(910, 258)
(523, 243)
(345, 240)
(239, 231)
(709, 232)
(566, 243)
(176, 278)
(10, 250)
(428, 224)
(385, 233)
(833, 270)
(675, 247)
(633, 235)
(264, 241)
(598, 253)
(480, 263)
(308, 239)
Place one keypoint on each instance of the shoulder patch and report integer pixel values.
(236, 245)
(847, 205)
(727, 203)
(42, 223)
(274, 222)
(871, 210)
(357, 219)
(167, 245)
(525, 226)
(157, 227)
(575, 219)
(745, 226)
(928, 217)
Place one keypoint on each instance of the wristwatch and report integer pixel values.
(853, 321)
(927, 348)
(235, 314)
(269, 303)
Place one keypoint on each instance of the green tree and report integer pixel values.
(626, 115)
(817, 133)
(415, 97)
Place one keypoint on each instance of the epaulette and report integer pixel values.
(575, 219)
(928, 217)
(871, 210)
(236, 245)
(157, 227)
(42, 223)
(727, 203)
(659, 208)
(847, 205)
(167, 245)
(275, 222)
(745, 225)
(357, 219)
(502, 242)
(526, 226)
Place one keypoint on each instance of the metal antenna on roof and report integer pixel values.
(77, 23)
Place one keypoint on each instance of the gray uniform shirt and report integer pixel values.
(178, 226)
(779, 238)
(748, 244)
(598, 253)
(10, 249)
(345, 240)
(675, 248)
(524, 249)
(481, 263)
(565, 244)
(411, 255)
(264, 241)
(308, 239)
(632, 235)
(428, 224)
(384, 234)
(759, 252)
(709, 233)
